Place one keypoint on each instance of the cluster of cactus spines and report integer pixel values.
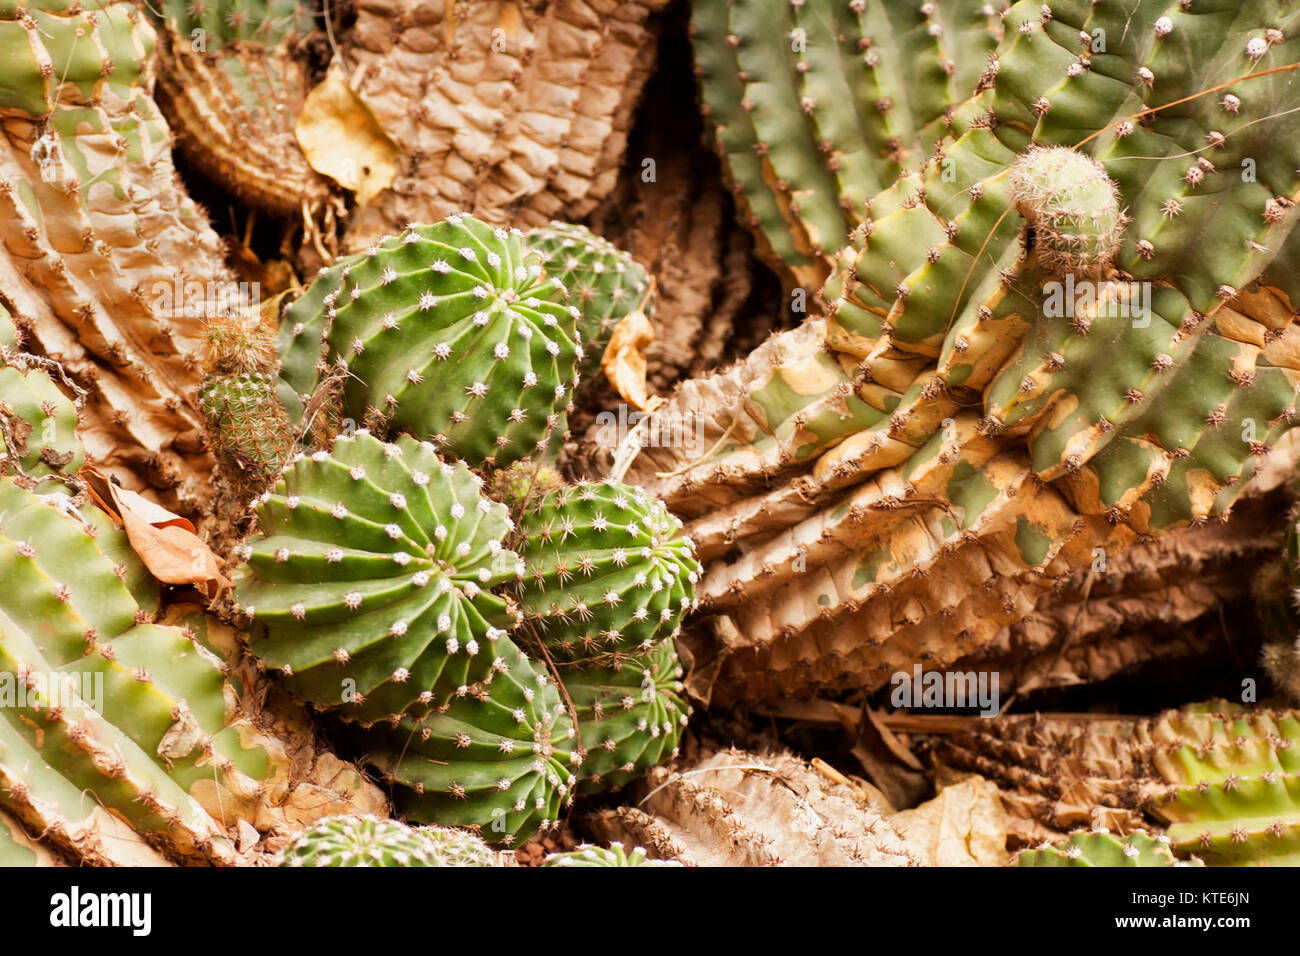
(630, 716)
(613, 855)
(818, 105)
(103, 249)
(499, 756)
(118, 716)
(370, 582)
(604, 282)
(1276, 590)
(452, 332)
(1223, 780)
(607, 572)
(249, 429)
(370, 841)
(232, 89)
(1099, 847)
(533, 128)
(1138, 407)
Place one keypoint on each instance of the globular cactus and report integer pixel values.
(605, 283)
(630, 717)
(734, 808)
(370, 841)
(517, 114)
(613, 855)
(113, 728)
(980, 417)
(607, 572)
(499, 757)
(1101, 848)
(370, 581)
(1223, 780)
(232, 80)
(452, 332)
(108, 265)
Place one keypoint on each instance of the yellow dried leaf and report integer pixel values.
(342, 139)
(624, 363)
(964, 825)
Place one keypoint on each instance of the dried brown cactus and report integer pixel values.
(735, 808)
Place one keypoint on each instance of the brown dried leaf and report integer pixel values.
(624, 362)
(342, 139)
(165, 542)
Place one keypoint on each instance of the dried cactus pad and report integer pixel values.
(370, 841)
(1100, 848)
(607, 571)
(370, 580)
(613, 855)
(452, 332)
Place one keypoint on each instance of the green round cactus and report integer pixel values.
(370, 580)
(370, 841)
(498, 757)
(1072, 206)
(604, 282)
(614, 855)
(630, 717)
(452, 332)
(607, 572)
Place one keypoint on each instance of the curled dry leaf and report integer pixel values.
(165, 542)
(624, 362)
(342, 139)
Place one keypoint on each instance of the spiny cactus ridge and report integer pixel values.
(613, 855)
(370, 841)
(1101, 848)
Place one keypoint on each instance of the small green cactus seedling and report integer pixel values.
(370, 841)
(370, 582)
(1101, 848)
(614, 855)
(607, 572)
(1071, 205)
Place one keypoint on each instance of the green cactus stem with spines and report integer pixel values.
(369, 841)
(39, 422)
(370, 581)
(253, 437)
(605, 283)
(607, 572)
(152, 742)
(499, 756)
(614, 855)
(452, 332)
(1101, 848)
(630, 717)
